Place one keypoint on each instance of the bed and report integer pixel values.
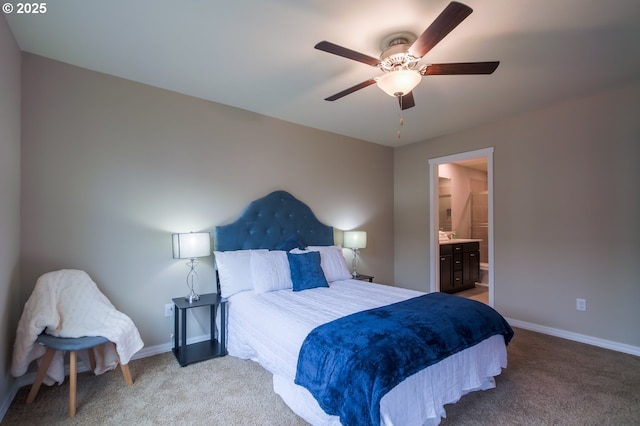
(287, 283)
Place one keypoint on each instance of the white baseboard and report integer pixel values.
(582, 338)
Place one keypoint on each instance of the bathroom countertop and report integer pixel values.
(461, 240)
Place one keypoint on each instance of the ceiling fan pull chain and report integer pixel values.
(400, 115)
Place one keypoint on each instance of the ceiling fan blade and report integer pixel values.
(347, 53)
(351, 90)
(406, 101)
(450, 18)
(461, 68)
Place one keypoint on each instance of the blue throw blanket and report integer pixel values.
(349, 364)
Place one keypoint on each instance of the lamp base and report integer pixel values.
(354, 262)
(192, 297)
(192, 280)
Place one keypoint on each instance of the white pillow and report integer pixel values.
(332, 262)
(270, 271)
(234, 271)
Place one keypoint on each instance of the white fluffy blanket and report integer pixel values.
(67, 303)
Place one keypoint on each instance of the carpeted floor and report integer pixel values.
(549, 381)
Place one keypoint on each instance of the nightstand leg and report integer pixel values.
(175, 329)
(183, 349)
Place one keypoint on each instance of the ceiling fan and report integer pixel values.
(403, 51)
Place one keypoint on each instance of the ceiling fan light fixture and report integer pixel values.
(399, 83)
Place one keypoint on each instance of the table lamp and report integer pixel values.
(355, 240)
(191, 246)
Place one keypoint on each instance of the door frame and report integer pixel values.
(434, 264)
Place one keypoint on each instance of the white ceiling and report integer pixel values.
(258, 55)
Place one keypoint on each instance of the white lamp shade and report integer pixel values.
(355, 239)
(399, 82)
(191, 245)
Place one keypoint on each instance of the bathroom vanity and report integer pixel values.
(459, 264)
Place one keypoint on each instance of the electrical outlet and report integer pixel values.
(581, 305)
(168, 309)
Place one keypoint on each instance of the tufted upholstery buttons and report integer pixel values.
(270, 220)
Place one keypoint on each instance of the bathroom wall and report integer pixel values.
(480, 219)
(464, 181)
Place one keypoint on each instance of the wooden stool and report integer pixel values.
(72, 345)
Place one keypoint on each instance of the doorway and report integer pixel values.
(479, 158)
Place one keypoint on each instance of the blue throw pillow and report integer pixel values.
(291, 243)
(306, 271)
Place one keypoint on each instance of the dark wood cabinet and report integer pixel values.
(459, 266)
(446, 268)
(470, 267)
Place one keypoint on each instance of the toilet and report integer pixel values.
(484, 274)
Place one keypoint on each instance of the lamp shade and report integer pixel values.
(355, 239)
(191, 245)
(399, 82)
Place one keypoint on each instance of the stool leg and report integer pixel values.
(42, 371)
(72, 383)
(127, 374)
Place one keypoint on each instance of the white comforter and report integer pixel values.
(270, 328)
(67, 303)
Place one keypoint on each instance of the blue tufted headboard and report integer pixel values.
(269, 221)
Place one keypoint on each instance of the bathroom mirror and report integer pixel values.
(444, 204)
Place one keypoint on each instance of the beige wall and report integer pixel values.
(111, 168)
(10, 303)
(566, 213)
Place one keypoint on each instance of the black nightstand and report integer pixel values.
(195, 352)
(363, 277)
